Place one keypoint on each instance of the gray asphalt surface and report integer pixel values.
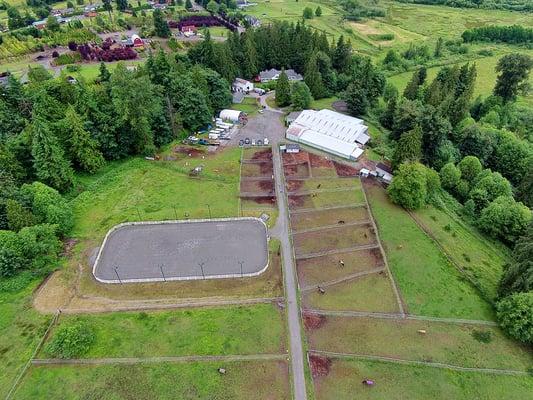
(138, 251)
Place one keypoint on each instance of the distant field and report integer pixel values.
(486, 76)
(400, 382)
(214, 331)
(448, 343)
(429, 284)
(192, 381)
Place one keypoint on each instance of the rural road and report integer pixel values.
(281, 231)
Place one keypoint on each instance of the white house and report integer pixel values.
(242, 85)
(273, 75)
(330, 131)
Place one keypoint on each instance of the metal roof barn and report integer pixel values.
(330, 131)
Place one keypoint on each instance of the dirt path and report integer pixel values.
(348, 356)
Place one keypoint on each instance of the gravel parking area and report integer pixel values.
(183, 250)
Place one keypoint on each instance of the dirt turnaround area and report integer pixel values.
(201, 249)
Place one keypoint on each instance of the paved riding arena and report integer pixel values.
(183, 250)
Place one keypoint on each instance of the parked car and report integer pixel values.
(241, 143)
(266, 142)
(203, 142)
(253, 142)
(261, 112)
(259, 142)
(247, 141)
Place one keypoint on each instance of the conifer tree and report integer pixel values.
(409, 147)
(283, 90)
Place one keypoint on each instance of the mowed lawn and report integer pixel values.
(401, 382)
(257, 329)
(429, 284)
(190, 381)
(137, 189)
(447, 343)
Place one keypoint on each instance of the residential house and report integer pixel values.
(273, 75)
(242, 85)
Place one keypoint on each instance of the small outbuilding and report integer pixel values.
(292, 148)
(234, 116)
(242, 85)
(384, 172)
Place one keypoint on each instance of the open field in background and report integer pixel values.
(196, 380)
(318, 218)
(400, 382)
(257, 329)
(429, 284)
(314, 271)
(21, 327)
(333, 238)
(368, 293)
(486, 75)
(481, 258)
(448, 343)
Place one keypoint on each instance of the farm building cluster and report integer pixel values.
(330, 131)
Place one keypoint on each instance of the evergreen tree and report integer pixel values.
(249, 64)
(412, 89)
(18, 216)
(50, 163)
(104, 74)
(188, 4)
(387, 118)
(307, 13)
(83, 148)
(122, 4)
(356, 99)
(160, 24)
(409, 148)
(283, 90)
(513, 75)
(341, 55)
(318, 11)
(313, 78)
(438, 48)
(301, 97)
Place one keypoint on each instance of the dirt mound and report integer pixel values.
(189, 151)
(345, 170)
(319, 162)
(263, 155)
(266, 168)
(320, 366)
(313, 321)
(294, 184)
(267, 185)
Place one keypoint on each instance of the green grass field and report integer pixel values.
(215, 331)
(21, 327)
(444, 342)
(480, 258)
(368, 293)
(400, 382)
(249, 105)
(429, 284)
(243, 380)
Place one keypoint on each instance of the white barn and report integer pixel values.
(330, 131)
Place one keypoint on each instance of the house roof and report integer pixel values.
(292, 115)
(271, 73)
(292, 146)
(242, 81)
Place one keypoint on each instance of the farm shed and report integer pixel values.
(331, 132)
(234, 116)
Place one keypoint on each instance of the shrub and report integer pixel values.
(515, 314)
(71, 341)
(482, 336)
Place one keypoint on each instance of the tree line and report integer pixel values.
(507, 34)
(513, 5)
(51, 129)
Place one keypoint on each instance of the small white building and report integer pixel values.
(242, 85)
(234, 116)
(384, 172)
(292, 148)
(330, 131)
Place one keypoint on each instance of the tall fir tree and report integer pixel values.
(313, 78)
(160, 24)
(283, 90)
(409, 147)
(49, 160)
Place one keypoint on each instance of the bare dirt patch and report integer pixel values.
(270, 200)
(320, 366)
(189, 151)
(261, 169)
(297, 170)
(313, 321)
(338, 216)
(257, 186)
(294, 185)
(345, 170)
(297, 201)
(295, 158)
(319, 162)
(263, 155)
